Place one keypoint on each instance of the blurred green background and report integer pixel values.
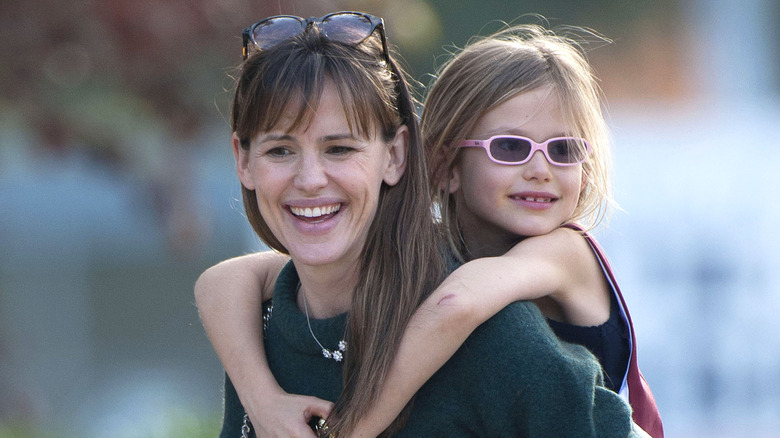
(117, 189)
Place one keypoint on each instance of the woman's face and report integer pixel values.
(318, 186)
(499, 203)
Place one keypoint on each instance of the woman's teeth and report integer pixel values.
(316, 211)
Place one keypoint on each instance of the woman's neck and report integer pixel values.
(328, 290)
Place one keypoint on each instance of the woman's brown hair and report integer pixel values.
(402, 260)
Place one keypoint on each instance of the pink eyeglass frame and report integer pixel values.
(485, 144)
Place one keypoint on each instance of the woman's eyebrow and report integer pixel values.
(335, 137)
(332, 137)
(275, 137)
(288, 137)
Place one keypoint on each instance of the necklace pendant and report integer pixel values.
(336, 355)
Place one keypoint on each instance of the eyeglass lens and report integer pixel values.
(515, 150)
(346, 28)
(273, 31)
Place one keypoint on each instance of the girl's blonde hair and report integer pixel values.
(491, 70)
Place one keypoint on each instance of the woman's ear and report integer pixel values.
(398, 150)
(242, 162)
(452, 182)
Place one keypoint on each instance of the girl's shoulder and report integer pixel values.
(564, 246)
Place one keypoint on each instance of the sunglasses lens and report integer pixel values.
(565, 151)
(271, 32)
(347, 28)
(510, 150)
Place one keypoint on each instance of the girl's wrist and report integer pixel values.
(258, 394)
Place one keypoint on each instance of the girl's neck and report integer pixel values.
(478, 246)
(328, 290)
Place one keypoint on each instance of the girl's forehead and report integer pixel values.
(535, 113)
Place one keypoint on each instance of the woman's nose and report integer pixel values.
(311, 175)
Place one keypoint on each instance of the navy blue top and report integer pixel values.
(608, 342)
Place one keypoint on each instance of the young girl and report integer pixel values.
(518, 153)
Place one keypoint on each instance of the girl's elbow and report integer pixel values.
(205, 286)
(456, 311)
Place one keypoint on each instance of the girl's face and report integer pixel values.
(497, 204)
(318, 186)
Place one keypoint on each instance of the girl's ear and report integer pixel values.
(242, 163)
(397, 151)
(584, 181)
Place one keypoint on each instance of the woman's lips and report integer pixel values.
(317, 213)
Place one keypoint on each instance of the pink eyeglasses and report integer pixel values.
(513, 150)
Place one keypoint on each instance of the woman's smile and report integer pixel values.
(317, 213)
(315, 217)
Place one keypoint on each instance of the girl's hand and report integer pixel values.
(287, 415)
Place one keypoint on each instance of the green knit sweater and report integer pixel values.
(511, 378)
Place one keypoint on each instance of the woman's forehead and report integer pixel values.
(328, 109)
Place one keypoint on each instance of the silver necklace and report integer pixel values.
(336, 355)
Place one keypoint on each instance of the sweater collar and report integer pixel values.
(290, 322)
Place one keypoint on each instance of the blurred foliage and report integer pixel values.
(175, 423)
(90, 74)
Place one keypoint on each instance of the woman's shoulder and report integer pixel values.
(513, 374)
(520, 329)
(517, 343)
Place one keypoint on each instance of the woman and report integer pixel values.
(332, 174)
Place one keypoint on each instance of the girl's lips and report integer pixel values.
(536, 201)
(533, 199)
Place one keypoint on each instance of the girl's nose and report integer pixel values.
(537, 168)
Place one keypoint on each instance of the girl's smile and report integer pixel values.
(535, 200)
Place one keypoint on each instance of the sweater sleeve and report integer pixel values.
(552, 389)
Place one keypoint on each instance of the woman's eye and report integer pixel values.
(340, 150)
(278, 152)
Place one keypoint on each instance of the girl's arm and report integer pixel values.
(559, 265)
(229, 297)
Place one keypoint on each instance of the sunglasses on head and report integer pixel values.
(513, 150)
(345, 27)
